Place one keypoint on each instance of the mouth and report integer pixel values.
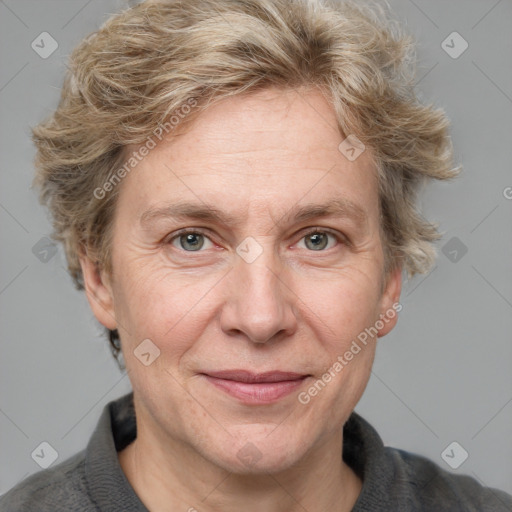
(256, 388)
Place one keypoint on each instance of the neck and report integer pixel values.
(176, 477)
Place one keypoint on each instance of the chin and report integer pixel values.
(255, 449)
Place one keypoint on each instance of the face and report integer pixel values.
(249, 242)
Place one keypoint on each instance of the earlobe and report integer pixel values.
(98, 292)
(390, 305)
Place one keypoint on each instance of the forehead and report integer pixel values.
(270, 122)
(273, 149)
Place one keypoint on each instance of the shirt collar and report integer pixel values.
(363, 451)
(108, 485)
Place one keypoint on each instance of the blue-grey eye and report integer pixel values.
(191, 241)
(318, 240)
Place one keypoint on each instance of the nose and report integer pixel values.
(259, 303)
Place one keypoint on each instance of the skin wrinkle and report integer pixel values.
(292, 309)
(161, 87)
(210, 212)
(191, 69)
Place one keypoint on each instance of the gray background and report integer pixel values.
(444, 374)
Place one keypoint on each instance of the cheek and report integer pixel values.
(340, 305)
(345, 312)
(168, 308)
(342, 313)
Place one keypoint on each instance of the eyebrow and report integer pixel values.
(340, 207)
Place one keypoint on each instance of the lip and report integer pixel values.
(256, 388)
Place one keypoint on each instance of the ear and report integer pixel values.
(99, 292)
(389, 303)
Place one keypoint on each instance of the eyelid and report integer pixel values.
(185, 231)
(340, 237)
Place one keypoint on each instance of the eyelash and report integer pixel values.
(339, 238)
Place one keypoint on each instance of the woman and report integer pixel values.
(234, 184)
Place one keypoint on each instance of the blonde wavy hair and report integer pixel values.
(145, 63)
